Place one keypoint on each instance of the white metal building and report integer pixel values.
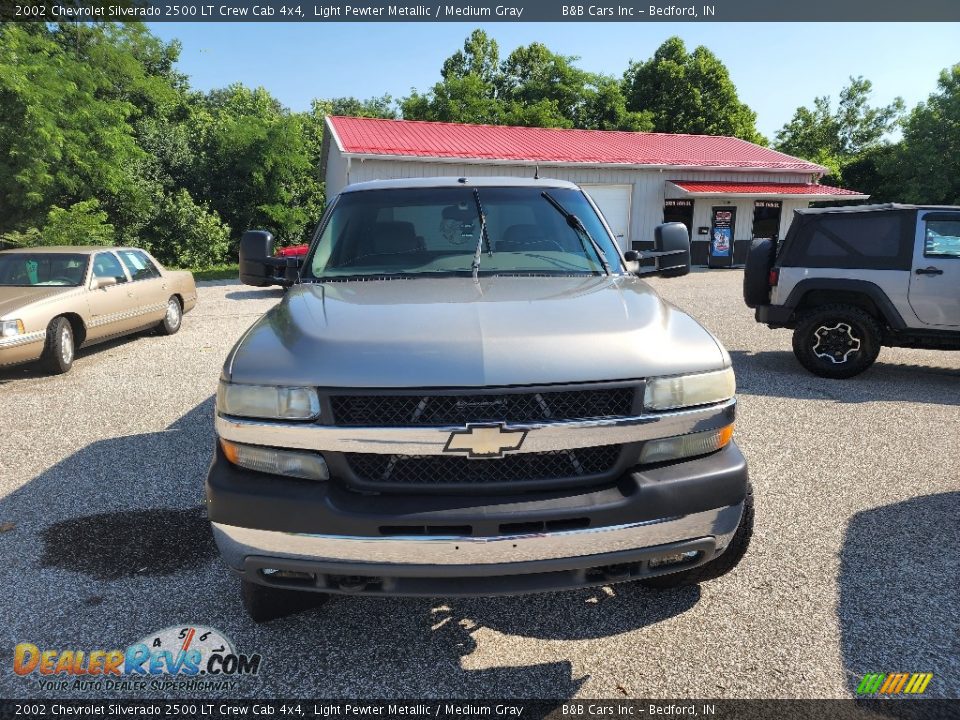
(717, 186)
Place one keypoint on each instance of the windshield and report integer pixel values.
(421, 231)
(28, 269)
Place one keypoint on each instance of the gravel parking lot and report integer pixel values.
(853, 568)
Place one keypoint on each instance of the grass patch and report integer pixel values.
(218, 272)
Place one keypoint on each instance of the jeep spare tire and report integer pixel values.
(756, 274)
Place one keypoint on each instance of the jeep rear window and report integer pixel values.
(867, 240)
(430, 231)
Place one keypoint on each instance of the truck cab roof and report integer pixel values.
(441, 182)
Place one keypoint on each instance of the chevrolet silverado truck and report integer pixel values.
(468, 390)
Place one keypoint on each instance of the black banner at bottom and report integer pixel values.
(573, 709)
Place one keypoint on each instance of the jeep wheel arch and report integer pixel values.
(812, 293)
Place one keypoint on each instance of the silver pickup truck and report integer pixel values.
(468, 390)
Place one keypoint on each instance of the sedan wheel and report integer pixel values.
(66, 345)
(59, 349)
(172, 319)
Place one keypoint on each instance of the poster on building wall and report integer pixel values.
(721, 236)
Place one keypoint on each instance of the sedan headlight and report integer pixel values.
(668, 393)
(11, 328)
(267, 401)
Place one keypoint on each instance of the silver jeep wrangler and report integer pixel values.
(849, 280)
(467, 390)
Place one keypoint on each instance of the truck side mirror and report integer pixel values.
(256, 246)
(672, 240)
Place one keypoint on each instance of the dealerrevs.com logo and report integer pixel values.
(177, 658)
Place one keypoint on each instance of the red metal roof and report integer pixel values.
(414, 138)
(756, 188)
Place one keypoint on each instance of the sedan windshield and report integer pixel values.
(430, 231)
(29, 269)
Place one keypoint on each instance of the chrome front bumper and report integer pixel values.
(237, 544)
(22, 348)
(432, 440)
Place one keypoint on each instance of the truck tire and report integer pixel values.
(719, 566)
(59, 348)
(837, 341)
(756, 274)
(264, 604)
(173, 317)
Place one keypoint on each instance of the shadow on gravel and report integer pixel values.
(115, 509)
(899, 592)
(261, 294)
(777, 373)
(142, 542)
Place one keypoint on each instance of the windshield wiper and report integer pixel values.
(581, 230)
(483, 237)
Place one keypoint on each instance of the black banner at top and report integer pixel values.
(479, 11)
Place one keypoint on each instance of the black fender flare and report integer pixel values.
(863, 287)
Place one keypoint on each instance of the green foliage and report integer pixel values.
(15, 238)
(187, 234)
(375, 107)
(838, 137)
(928, 159)
(255, 163)
(688, 93)
(533, 86)
(83, 223)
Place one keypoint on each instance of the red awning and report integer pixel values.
(796, 191)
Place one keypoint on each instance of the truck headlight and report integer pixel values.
(267, 401)
(11, 328)
(275, 461)
(668, 393)
(684, 446)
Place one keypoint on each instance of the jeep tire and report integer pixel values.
(730, 558)
(756, 274)
(837, 341)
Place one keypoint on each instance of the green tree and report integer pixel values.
(257, 166)
(688, 93)
(83, 223)
(837, 137)
(468, 90)
(927, 162)
(375, 107)
(532, 86)
(65, 134)
(93, 118)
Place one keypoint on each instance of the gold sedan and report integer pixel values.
(54, 300)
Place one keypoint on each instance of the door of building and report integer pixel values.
(678, 211)
(614, 203)
(766, 219)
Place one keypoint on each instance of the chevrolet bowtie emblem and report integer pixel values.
(485, 441)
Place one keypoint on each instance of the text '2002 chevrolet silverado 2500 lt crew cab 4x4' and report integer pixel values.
(469, 391)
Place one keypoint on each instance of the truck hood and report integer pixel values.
(13, 298)
(454, 332)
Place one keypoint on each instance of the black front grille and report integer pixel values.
(406, 410)
(434, 470)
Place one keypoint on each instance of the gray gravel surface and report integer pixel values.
(853, 567)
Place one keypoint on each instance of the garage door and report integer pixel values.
(614, 203)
